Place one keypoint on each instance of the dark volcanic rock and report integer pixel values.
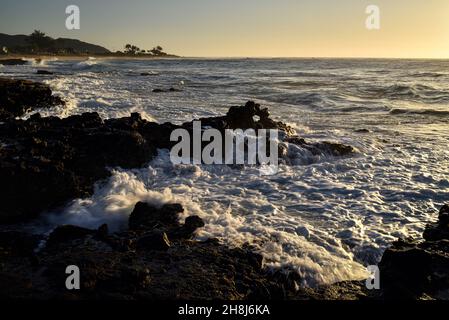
(14, 243)
(149, 74)
(145, 216)
(68, 233)
(330, 148)
(161, 268)
(164, 268)
(191, 224)
(169, 90)
(251, 116)
(103, 231)
(443, 216)
(413, 269)
(44, 72)
(336, 149)
(164, 219)
(188, 229)
(440, 230)
(154, 240)
(346, 291)
(45, 162)
(61, 159)
(13, 62)
(20, 96)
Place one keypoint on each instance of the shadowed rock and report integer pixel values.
(61, 159)
(13, 62)
(14, 243)
(154, 240)
(160, 268)
(440, 230)
(164, 219)
(413, 269)
(20, 96)
(163, 90)
(251, 116)
(44, 72)
(145, 216)
(318, 148)
(68, 233)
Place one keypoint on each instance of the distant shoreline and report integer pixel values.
(84, 57)
(149, 57)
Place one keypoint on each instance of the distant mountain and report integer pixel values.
(20, 42)
(13, 41)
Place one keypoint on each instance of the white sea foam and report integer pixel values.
(86, 64)
(298, 219)
(107, 102)
(40, 62)
(283, 240)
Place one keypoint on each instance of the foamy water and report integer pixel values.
(325, 216)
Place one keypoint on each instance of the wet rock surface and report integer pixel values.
(45, 162)
(252, 116)
(319, 148)
(158, 90)
(151, 261)
(249, 116)
(44, 72)
(20, 96)
(143, 263)
(18, 244)
(13, 62)
(419, 268)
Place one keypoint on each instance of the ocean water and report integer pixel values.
(326, 217)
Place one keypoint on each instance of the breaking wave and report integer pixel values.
(283, 240)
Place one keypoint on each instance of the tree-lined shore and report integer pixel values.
(40, 44)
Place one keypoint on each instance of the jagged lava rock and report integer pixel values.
(13, 62)
(414, 269)
(159, 269)
(44, 72)
(154, 240)
(20, 96)
(45, 162)
(145, 216)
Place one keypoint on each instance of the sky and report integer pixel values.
(245, 28)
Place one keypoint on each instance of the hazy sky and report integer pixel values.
(267, 28)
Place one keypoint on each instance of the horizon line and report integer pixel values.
(266, 57)
(311, 57)
(111, 55)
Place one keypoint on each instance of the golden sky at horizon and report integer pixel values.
(247, 28)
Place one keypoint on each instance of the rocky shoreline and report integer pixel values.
(46, 162)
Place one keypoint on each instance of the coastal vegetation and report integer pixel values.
(135, 50)
(39, 43)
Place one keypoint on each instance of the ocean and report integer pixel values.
(326, 217)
